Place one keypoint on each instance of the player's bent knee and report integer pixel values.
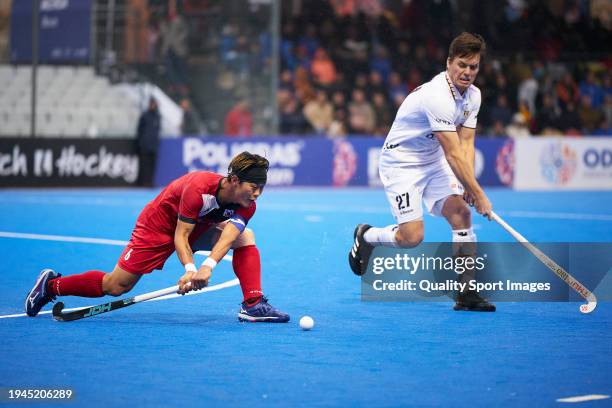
(249, 235)
(458, 214)
(409, 240)
(464, 212)
(246, 238)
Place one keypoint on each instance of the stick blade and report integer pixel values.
(57, 311)
(590, 306)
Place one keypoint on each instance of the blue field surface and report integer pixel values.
(192, 351)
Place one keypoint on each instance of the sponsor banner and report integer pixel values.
(67, 162)
(494, 164)
(497, 271)
(293, 161)
(65, 31)
(564, 163)
(494, 161)
(314, 161)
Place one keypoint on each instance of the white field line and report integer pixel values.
(583, 398)
(80, 240)
(62, 238)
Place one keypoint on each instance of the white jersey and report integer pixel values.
(435, 106)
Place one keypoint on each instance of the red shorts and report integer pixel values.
(141, 258)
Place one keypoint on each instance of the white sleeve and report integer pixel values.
(471, 120)
(440, 113)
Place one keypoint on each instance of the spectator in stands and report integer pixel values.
(604, 128)
(361, 115)
(375, 85)
(607, 108)
(527, 92)
(402, 58)
(191, 124)
(287, 46)
(309, 41)
(567, 91)
(590, 87)
(147, 143)
(381, 63)
(292, 120)
(589, 116)
(498, 129)
(501, 112)
(286, 80)
(174, 34)
(397, 87)
(303, 88)
(319, 112)
(339, 85)
(361, 82)
(354, 52)
(518, 127)
(322, 68)
(338, 100)
(239, 120)
(382, 113)
(606, 85)
(547, 117)
(414, 78)
(569, 121)
(338, 127)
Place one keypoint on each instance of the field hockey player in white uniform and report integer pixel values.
(428, 158)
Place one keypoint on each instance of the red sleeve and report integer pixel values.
(246, 213)
(190, 204)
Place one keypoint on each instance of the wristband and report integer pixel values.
(209, 262)
(190, 267)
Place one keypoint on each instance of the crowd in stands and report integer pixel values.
(346, 66)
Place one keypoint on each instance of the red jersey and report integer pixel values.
(193, 199)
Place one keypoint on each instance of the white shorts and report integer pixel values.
(407, 188)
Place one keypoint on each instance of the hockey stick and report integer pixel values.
(106, 307)
(552, 265)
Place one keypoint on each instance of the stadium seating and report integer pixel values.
(72, 102)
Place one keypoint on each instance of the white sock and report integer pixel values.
(464, 235)
(382, 236)
(464, 243)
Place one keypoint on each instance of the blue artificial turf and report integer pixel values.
(192, 350)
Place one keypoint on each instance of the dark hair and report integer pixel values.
(467, 44)
(249, 167)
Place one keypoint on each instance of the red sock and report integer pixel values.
(88, 284)
(247, 267)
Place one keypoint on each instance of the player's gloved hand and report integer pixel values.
(200, 279)
(483, 206)
(184, 283)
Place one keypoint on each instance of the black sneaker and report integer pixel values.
(471, 301)
(38, 296)
(360, 252)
